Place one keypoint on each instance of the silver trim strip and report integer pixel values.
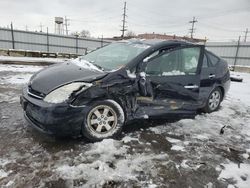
(36, 96)
(191, 87)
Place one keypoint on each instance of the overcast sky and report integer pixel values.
(217, 19)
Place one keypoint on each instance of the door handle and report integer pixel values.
(191, 87)
(211, 76)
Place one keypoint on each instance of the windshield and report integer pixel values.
(115, 55)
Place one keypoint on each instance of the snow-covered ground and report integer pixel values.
(185, 153)
(30, 59)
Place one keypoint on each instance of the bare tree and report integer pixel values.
(130, 34)
(75, 33)
(83, 33)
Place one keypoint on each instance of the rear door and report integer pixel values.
(172, 82)
(208, 75)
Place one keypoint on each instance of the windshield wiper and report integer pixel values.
(92, 63)
(98, 66)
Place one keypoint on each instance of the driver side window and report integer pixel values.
(177, 62)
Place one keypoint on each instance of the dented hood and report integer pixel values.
(60, 74)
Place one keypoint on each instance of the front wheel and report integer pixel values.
(213, 101)
(104, 119)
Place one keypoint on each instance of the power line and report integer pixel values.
(83, 20)
(192, 28)
(124, 19)
(218, 28)
(223, 13)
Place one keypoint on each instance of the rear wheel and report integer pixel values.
(213, 101)
(104, 119)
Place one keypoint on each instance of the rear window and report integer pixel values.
(213, 59)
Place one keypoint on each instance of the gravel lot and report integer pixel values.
(184, 153)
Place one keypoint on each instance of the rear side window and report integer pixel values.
(213, 59)
(177, 62)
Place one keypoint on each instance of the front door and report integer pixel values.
(172, 83)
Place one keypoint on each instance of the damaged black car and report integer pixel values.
(97, 94)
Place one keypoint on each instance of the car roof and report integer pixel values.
(160, 42)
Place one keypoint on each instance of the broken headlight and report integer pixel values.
(63, 93)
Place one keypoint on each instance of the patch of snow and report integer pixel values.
(3, 174)
(31, 59)
(20, 68)
(144, 46)
(85, 64)
(156, 130)
(177, 148)
(243, 87)
(173, 140)
(201, 137)
(245, 155)
(16, 79)
(142, 74)
(152, 185)
(241, 174)
(95, 167)
(145, 60)
(235, 75)
(107, 149)
(130, 74)
(209, 185)
(184, 164)
(9, 183)
(9, 97)
(4, 162)
(128, 139)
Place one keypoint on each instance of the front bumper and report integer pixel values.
(57, 119)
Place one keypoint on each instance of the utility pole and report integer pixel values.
(124, 19)
(47, 39)
(12, 36)
(66, 25)
(192, 28)
(237, 51)
(246, 32)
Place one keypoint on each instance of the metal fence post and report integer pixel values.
(47, 39)
(236, 54)
(76, 44)
(12, 36)
(102, 41)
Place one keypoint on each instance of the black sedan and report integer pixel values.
(97, 94)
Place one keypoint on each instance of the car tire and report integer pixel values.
(104, 119)
(213, 101)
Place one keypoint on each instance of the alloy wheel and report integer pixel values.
(214, 100)
(102, 119)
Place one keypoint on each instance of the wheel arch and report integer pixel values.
(222, 91)
(115, 99)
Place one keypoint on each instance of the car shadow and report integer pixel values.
(144, 124)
